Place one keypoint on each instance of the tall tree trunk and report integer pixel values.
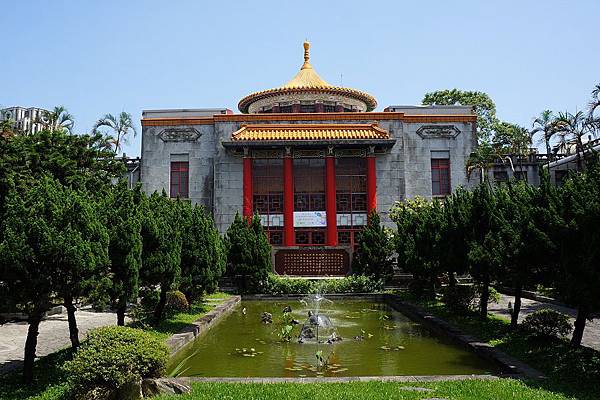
(73, 330)
(485, 296)
(514, 318)
(582, 315)
(451, 279)
(121, 307)
(30, 346)
(158, 311)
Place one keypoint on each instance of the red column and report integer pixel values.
(288, 201)
(247, 210)
(371, 184)
(330, 204)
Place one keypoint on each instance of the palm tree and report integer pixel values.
(593, 105)
(545, 125)
(121, 128)
(482, 159)
(58, 119)
(575, 127)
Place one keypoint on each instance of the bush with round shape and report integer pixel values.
(460, 298)
(114, 356)
(546, 323)
(176, 302)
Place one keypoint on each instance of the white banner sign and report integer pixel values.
(310, 219)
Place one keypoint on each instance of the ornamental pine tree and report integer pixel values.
(161, 247)
(125, 247)
(203, 255)
(53, 245)
(248, 253)
(579, 240)
(372, 257)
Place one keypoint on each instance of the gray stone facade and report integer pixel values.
(215, 172)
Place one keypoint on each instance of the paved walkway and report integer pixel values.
(591, 334)
(53, 336)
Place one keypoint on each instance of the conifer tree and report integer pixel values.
(161, 247)
(372, 257)
(125, 247)
(248, 253)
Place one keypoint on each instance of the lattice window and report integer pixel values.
(312, 262)
(351, 198)
(267, 185)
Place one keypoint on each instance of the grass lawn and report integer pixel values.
(573, 372)
(50, 380)
(503, 389)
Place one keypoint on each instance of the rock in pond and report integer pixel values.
(155, 387)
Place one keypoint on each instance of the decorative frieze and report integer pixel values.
(180, 134)
(438, 131)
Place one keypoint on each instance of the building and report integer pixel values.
(27, 120)
(312, 159)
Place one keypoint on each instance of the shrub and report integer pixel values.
(373, 255)
(176, 302)
(114, 356)
(460, 298)
(546, 323)
(277, 285)
(351, 284)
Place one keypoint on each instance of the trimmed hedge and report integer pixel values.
(547, 323)
(277, 285)
(114, 356)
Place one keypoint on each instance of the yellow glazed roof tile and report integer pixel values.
(309, 132)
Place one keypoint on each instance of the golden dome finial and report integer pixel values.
(306, 55)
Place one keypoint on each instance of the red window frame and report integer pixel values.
(267, 196)
(440, 177)
(351, 196)
(309, 195)
(180, 176)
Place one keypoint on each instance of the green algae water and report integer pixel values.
(375, 341)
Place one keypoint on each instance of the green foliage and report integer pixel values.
(278, 286)
(248, 254)
(373, 255)
(123, 216)
(176, 302)
(113, 356)
(161, 246)
(482, 104)
(460, 298)
(203, 256)
(547, 323)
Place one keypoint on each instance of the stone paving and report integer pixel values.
(53, 336)
(591, 334)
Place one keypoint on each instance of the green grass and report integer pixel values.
(573, 372)
(50, 382)
(177, 322)
(503, 389)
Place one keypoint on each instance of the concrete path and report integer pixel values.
(591, 335)
(53, 336)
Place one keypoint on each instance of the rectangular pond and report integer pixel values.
(355, 338)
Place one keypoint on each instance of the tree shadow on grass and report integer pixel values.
(176, 322)
(49, 379)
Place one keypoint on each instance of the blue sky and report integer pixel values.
(96, 57)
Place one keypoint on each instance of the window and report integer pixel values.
(328, 108)
(285, 109)
(521, 175)
(440, 173)
(500, 176)
(267, 185)
(560, 176)
(351, 198)
(307, 108)
(309, 195)
(180, 179)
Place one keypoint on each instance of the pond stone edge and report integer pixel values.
(200, 326)
(512, 367)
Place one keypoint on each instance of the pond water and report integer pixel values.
(375, 341)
